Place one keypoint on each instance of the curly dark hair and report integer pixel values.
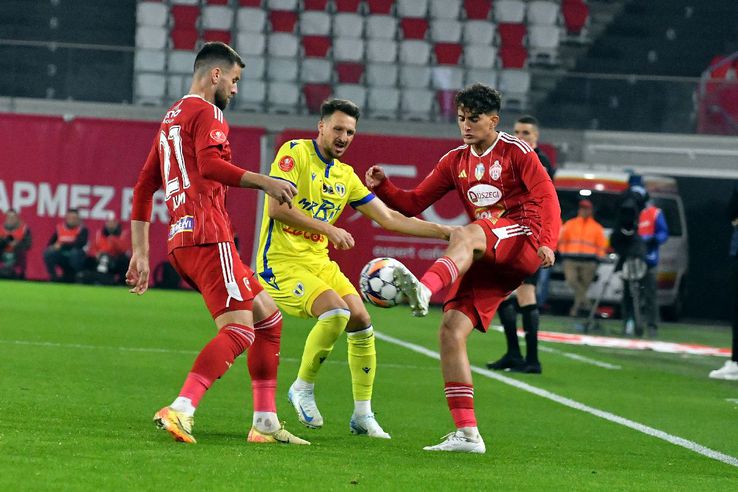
(478, 99)
(330, 106)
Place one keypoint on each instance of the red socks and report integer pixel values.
(460, 397)
(441, 274)
(215, 359)
(263, 360)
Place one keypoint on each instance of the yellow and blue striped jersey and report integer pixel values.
(323, 189)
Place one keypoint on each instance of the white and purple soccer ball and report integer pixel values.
(377, 283)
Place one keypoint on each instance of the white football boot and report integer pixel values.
(418, 295)
(729, 371)
(460, 443)
(307, 410)
(367, 425)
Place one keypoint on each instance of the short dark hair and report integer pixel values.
(330, 106)
(528, 120)
(73, 210)
(11, 211)
(478, 99)
(217, 53)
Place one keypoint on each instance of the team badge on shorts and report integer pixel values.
(299, 289)
(495, 171)
(286, 163)
(479, 171)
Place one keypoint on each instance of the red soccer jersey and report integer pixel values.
(192, 133)
(508, 180)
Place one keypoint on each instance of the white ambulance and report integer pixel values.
(603, 189)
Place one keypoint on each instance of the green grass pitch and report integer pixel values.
(83, 369)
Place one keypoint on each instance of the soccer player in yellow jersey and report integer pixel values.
(294, 266)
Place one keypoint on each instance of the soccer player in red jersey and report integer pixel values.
(191, 159)
(516, 219)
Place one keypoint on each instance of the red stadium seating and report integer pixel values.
(477, 9)
(414, 28)
(316, 46)
(224, 36)
(184, 39)
(217, 2)
(512, 35)
(446, 104)
(349, 72)
(448, 53)
(380, 7)
(249, 3)
(350, 6)
(575, 13)
(315, 94)
(513, 56)
(185, 16)
(283, 20)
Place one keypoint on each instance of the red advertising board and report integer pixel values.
(49, 164)
(407, 160)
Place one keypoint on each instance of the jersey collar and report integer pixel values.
(328, 164)
(499, 134)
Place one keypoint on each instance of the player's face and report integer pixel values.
(227, 86)
(335, 134)
(477, 129)
(527, 133)
(11, 219)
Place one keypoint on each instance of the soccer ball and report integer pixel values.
(377, 283)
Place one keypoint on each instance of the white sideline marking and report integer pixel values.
(679, 441)
(732, 400)
(580, 358)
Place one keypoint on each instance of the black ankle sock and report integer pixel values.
(530, 325)
(508, 317)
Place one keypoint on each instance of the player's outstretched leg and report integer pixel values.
(178, 424)
(418, 295)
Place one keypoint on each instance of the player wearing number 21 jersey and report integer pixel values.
(191, 159)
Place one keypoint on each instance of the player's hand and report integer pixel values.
(281, 190)
(448, 230)
(137, 276)
(547, 256)
(374, 176)
(341, 238)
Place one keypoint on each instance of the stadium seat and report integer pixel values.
(346, 25)
(447, 77)
(416, 104)
(510, 11)
(513, 56)
(447, 53)
(413, 28)
(250, 43)
(446, 104)
(512, 35)
(151, 37)
(445, 9)
(250, 3)
(316, 46)
(576, 17)
(185, 16)
(320, 5)
(283, 97)
(217, 2)
(315, 23)
(348, 49)
(412, 8)
(350, 6)
(282, 69)
(146, 60)
(514, 85)
(383, 102)
(180, 61)
(349, 72)
(184, 39)
(543, 43)
(381, 74)
(217, 17)
(353, 92)
(543, 12)
(282, 4)
(415, 76)
(477, 9)
(414, 52)
(484, 76)
(445, 30)
(381, 27)
(315, 94)
(380, 7)
(316, 70)
(185, 2)
(480, 56)
(250, 19)
(251, 95)
(381, 50)
(150, 88)
(479, 32)
(282, 44)
(223, 36)
(177, 86)
(152, 14)
(255, 67)
(283, 20)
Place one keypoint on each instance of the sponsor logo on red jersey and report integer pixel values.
(286, 163)
(218, 136)
(483, 195)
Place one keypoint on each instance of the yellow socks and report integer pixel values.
(320, 342)
(362, 359)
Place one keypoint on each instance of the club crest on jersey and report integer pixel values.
(184, 224)
(495, 171)
(340, 189)
(286, 163)
(479, 171)
(483, 195)
(299, 289)
(218, 136)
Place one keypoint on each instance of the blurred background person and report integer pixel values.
(730, 368)
(110, 250)
(15, 241)
(582, 244)
(66, 248)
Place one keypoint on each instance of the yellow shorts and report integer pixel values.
(295, 286)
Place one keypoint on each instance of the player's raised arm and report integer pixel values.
(409, 202)
(392, 220)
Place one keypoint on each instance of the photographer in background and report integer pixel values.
(653, 230)
(110, 251)
(15, 240)
(66, 249)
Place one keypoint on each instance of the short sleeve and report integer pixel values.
(358, 194)
(287, 163)
(210, 130)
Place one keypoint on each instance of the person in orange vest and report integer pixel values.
(66, 248)
(110, 248)
(15, 240)
(582, 243)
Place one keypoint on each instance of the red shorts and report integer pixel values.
(218, 273)
(510, 257)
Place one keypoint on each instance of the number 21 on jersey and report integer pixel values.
(171, 178)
